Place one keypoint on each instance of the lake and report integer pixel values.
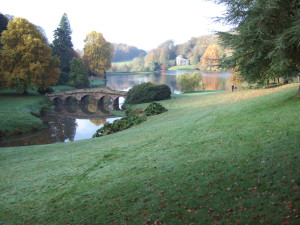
(66, 127)
(125, 81)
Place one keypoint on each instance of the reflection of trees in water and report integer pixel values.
(62, 128)
(98, 122)
(213, 81)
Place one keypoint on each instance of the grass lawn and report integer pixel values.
(182, 68)
(61, 88)
(96, 82)
(224, 158)
(15, 111)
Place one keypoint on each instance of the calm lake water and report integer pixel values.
(79, 124)
(124, 81)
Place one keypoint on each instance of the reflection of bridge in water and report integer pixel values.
(78, 111)
(104, 98)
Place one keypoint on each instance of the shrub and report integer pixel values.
(190, 81)
(119, 125)
(155, 108)
(148, 92)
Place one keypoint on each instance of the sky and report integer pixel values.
(141, 23)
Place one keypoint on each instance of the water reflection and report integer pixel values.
(124, 81)
(65, 123)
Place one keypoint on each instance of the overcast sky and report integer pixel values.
(141, 23)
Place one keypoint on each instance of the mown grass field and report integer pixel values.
(182, 68)
(225, 158)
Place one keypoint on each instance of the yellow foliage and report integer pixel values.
(211, 56)
(97, 53)
(235, 78)
(26, 58)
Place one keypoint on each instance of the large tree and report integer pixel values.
(97, 53)
(26, 58)
(265, 38)
(63, 48)
(79, 74)
(211, 57)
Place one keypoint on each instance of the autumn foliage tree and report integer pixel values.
(211, 57)
(97, 53)
(26, 58)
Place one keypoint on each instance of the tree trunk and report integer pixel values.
(25, 91)
(298, 93)
(105, 78)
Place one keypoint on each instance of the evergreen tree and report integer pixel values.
(265, 39)
(3, 25)
(63, 48)
(79, 74)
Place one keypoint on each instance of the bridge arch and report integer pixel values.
(71, 104)
(118, 102)
(57, 100)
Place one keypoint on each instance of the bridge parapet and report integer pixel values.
(97, 93)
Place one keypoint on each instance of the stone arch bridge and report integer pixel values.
(101, 95)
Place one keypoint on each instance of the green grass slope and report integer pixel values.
(226, 158)
(15, 112)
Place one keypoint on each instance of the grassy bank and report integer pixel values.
(221, 158)
(15, 111)
(183, 68)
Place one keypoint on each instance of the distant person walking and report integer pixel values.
(232, 88)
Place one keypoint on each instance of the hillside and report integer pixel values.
(124, 52)
(212, 158)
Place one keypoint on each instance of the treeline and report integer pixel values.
(124, 52)
(203, 52)
(28, 60)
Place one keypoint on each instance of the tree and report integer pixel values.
(150, 58)
(63, 48)
(97, 53)
(265, 38)
(79, 74)
(211, 57)
(3, 25)
(190, 81)
(26, 58)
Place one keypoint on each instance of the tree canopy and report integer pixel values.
(79, 74)
(190, 82)
(97, 53)
(3, 25)
(26, 58)
(63, 48)
(265, 39)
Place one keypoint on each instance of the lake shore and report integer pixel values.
(225, 157)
